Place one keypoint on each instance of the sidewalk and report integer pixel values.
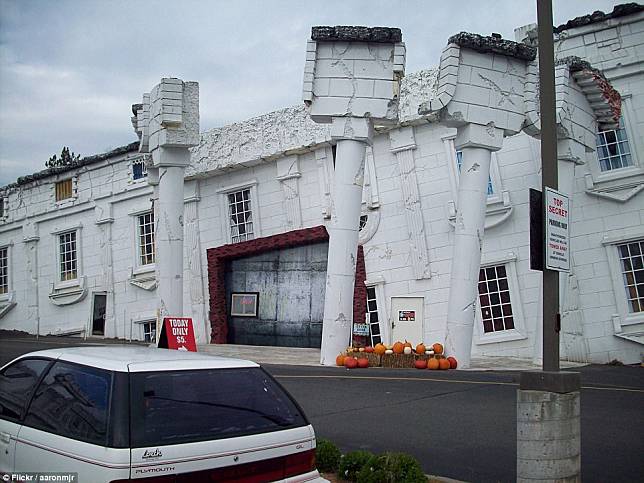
(298, 356)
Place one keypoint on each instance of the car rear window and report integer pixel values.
(176, 407)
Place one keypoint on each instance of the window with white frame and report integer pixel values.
(240, 215)
(68, 254)
(613, 150)
(4, 270)
(632, 267)
(145, 228)
(139, 171)
(494, 299)
(374, 321)
(149, 331)
(459, 163)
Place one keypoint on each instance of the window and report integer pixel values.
(72, 401)
(64, 190)
(145, 223)
(16, 385)
(3, 208)
(374, 322)
(241, 216)
(199, 405)
(139, 171)
(363, 221)
(149, 331)
(613, 150)
(244, 304)
(632, 266)
(459, 163)
(4, 270)
(494, 298)
(68, 256)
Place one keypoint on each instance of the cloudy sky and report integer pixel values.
(70, 69)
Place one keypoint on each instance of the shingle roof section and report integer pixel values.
(599, 16)
(348, 33)
(493, 44)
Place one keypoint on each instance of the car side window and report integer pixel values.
(72, 401)
(17, 383)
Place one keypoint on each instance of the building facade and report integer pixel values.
(77, 249)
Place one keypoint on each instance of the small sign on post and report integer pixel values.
(177, 333)
(557, 231)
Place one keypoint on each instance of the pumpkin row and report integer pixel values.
(437, 362)
(399, 348)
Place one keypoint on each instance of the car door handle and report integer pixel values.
(5, 438)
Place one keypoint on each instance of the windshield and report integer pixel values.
(187, 406)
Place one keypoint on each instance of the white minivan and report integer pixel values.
(121, 413)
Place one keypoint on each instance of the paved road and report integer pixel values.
(458, 424)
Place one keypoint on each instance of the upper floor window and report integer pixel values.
(64, 189)
(146, 238)
(632, 267)
(4, 270)
(459, 163)
(613, 150)
(68, 256)
(494, 297)
(3, 208)
(241, 216)
(139, 170)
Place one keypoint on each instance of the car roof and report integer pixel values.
(139, 358)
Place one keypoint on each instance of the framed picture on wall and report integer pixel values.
(244, 304)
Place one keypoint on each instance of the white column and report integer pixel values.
(403, 144)
(343, 247)
(169, 240)
(477, 143)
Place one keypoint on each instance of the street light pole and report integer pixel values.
(549, 177)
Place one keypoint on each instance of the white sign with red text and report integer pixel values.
(557, 231)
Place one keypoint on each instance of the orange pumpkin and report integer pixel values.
(379, 349)
(339, 361)
(438, 348)
(407, 344)
(398, 348)
(420, 348)
(443, 364)
(432, 364)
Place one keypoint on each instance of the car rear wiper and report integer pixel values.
(271, 417)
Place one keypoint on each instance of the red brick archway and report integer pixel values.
(217, 258)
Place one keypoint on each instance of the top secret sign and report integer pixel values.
(557, 231)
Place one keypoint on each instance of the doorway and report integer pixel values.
(407, 317)
(98, 314)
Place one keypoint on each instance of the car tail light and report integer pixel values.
(255, 472)
(298, 463)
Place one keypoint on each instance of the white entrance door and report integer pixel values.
(407, 319)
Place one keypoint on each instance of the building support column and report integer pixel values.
(169, 240)
(477, 143)
(343, 237)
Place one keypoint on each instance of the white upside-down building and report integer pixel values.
(262, 206)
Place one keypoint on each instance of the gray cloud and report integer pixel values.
(69, 70)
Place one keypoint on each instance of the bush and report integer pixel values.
(351, 464)
(392, 468)
(327, 456)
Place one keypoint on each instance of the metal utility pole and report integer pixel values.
(548, 401)
(549, 177)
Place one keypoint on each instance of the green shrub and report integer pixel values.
(351, 464)
(327, 456)
(392, 468)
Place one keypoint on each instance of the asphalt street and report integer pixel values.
(459, 424)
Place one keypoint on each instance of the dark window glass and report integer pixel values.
(509, 323)
(72, 401)
(17, 382)
(186, 406)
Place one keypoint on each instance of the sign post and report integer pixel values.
(177, 333)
